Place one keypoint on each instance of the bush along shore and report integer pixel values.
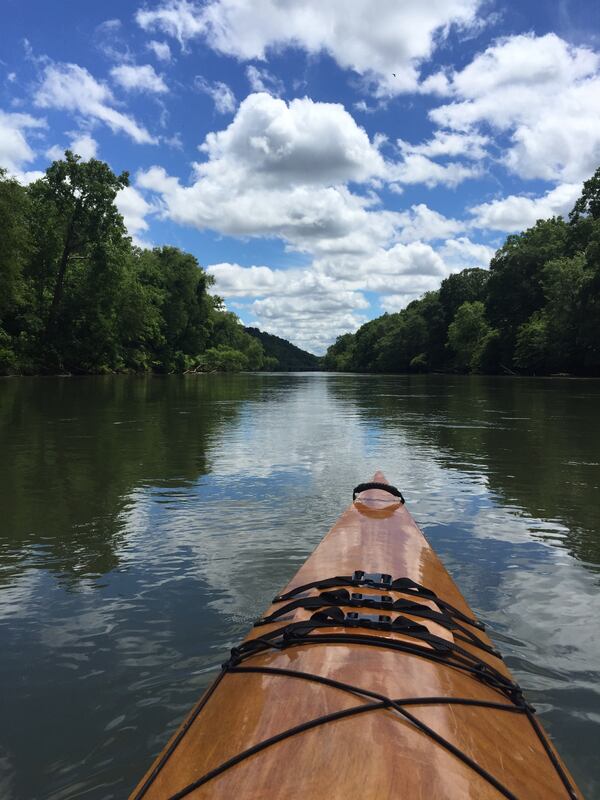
(536, 311)
(77, 297)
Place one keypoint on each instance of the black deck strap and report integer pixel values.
(342, 597)
(385, 487)
(362, 578)
(436, 649)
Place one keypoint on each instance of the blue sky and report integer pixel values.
(325, 161)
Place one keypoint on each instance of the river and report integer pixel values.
(146, 521)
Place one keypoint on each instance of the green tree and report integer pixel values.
(82, 195)
(514, 288)
(432, 312)
(222, 359)
(466, 286)
(176, 286)
(588, 204)
(405, 339)
(340, 355)
(467, 335)
(532, 349)
(15, 244)
(367, 343)
(562, 281)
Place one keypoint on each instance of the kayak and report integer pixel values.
(367, 677)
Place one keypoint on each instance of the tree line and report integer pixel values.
(289, 358)
(76, 296)
(535, 311)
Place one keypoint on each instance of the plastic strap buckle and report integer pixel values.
(367, 620)
(372, 599)
(375, 579)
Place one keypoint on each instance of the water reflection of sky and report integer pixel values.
(118, 657)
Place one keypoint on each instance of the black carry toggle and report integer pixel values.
(385, 487)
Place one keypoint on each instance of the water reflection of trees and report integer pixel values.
(536, 440)
(73, 450)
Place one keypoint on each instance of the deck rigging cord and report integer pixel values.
(329, 614)
(435, 649)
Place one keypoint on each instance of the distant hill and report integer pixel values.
(289, 357)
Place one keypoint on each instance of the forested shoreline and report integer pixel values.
(536, 311)
(77, 297)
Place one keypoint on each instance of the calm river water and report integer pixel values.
(145, 522)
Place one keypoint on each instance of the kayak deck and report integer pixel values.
(404, 699)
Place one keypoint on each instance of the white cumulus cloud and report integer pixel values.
(15, 149)
(281, 169)
(315, 304)
(70, 87)
(304, 305)
(540, 92)
(517, 212)
(81, 143)
(222, 95)
(261, 80)
(142, 78)
(422, 223)
(448, 143)
(134, 209)
(385, 43)
(417, 168)
(161, 50)
(461, 252)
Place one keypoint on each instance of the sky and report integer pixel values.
(326, 161)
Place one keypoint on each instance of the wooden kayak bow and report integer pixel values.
(367, 677)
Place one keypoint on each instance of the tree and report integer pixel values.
(532, 350)
(82, 195)
(588, 204)
(15, 243)
(562, 280)
(469, 285)
(432, 312)
(467, 335)
(339, 356)
(405, 339)
(177, 286)
(514, 288)
(588, 328)
(222, 359)
(367, 342)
